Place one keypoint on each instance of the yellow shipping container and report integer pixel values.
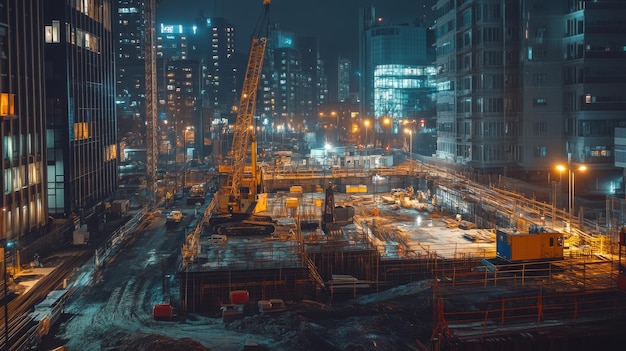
(352, 188)
(224, 168)
(295, 189)
(291, 202)
(362, 188)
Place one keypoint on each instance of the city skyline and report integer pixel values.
(338, 34)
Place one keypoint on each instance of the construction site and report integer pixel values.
(499, 266)
(333, 246)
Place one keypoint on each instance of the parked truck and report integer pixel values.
(119, 208)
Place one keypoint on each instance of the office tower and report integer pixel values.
(397, 84)
(129, 25)
(293, 83)
(344, 71)
(22, 113)
(80, 99)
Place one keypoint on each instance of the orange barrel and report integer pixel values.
(239, 297)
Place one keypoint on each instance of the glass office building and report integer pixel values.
(397, 71)
(22, 118)
(82, 151)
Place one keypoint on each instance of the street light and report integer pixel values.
(386, 122)
(335, 114)
(410, 131)
(367, 124)
(570, 185)
(581, 168)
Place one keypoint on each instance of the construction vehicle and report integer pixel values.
(197, 194)
(243, 196)
(334, 217)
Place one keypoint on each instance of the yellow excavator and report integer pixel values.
(239, 201)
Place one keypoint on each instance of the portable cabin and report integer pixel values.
(534, 245)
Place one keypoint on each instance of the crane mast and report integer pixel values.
(235, 197)
(151, 98)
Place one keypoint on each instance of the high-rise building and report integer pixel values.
(396, 62)
(80, 53)
(344, 71)
(22, 113)
(478, 106)
(315, 68)
(293, 83)
(129, 25)
(210, 43)
(524, 86)
(182, 91)
(594, 75)
(222, 75)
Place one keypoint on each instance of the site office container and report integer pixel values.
(515, 246)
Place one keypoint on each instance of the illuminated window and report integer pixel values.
(52, 33)
(7, 104)
(110, 152)
(81, 130)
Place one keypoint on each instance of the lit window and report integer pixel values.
(52, 33)
(7, 104)
(81, 131)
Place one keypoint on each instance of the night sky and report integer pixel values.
(334, 22)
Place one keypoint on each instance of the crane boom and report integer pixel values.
(231, 198)
(151, 99)
(243, 129)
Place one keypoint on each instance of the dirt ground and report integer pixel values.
(113, 311)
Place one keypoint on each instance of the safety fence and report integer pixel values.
(497, 316)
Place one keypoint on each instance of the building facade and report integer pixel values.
(524, 86)
(478, 104)
(293, 83)
(397, 86)
(22, 119)
(344, 73)
(80, 53)
(130, 64)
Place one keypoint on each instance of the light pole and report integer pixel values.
(570, 185)
(367, 124)
(335, 114)
(581, 168)
(562, 169)
(410, 131)
(386, 123)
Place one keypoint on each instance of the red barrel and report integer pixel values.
(162, 311)
(239, 297)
